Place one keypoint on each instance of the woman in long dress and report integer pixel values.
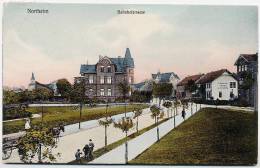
(27, 124)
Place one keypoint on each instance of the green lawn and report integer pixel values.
(69, 115)
(210, 137)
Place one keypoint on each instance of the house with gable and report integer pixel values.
(220, 84)
(247, 69)
(102, 79)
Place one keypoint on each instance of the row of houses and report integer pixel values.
(102, 79)
(215, 85)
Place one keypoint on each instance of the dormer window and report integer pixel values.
(109, 70)
(102, 69)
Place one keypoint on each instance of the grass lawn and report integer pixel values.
(210, 137)
(69, 115)
(112, 146)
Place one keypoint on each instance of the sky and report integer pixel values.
(184, 39)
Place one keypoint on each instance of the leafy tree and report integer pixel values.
(125, 125)
(176, 104)
(10, 97)
(32, 144)
(42, 94)
(106, 122)
(247, 80)
(137, 113)
(162, 90)
(156, 114)
(78, 95)
(64, 88)
(167, 104)
(191, 86)
(124, 89)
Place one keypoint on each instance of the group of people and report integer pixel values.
(87, 150)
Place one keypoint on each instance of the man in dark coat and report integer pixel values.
(183, 113)
(91, 147)
(86, 151)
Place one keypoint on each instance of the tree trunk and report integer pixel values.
(42, 113)
(40, 154)
(196, 108)
(137, 124)
(80, 114)
(158, 138)
(174, 117)
(167, 112)
(105, 137)
(191, 108)
(125, 107)
(126, 149)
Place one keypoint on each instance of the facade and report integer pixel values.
(146, 86)
(37, 85)
(182, 91)
(169, 77)
(102, 78)
(221, 85)
(247, 65)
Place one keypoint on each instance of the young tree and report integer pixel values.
(162, 90)
(106, 122)
(137, 113)
(64, 88)
(176, 104)
(78, 95)
(30, 145)
(156, 114)
(124, 89)
(125, 125)
(167, 105)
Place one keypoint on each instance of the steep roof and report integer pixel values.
(188, 78)
(87, 68)
(120, 63)
(247, 57)
(164, 77)
(43, 85)
(209, 77)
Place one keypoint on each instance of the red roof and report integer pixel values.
(188, 78)
(209, 77)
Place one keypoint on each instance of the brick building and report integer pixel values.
(102, 78)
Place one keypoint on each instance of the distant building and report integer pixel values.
(37, 85)
(219, 84)
(247, 65)
(146, 86)
(169, 77)
(102, 78)
(182, 91)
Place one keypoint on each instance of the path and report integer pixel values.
(68, 144)
(139, 144)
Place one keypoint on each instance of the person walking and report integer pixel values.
(77, 156)
(86, 151)
(183, 114)
(91, 148)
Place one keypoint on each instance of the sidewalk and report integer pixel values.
(139, 144)
(68, 144)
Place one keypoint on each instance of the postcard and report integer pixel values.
(129, 84)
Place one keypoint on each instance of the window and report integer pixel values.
(101, 79)
(208, 85)
(208, 94)
(90, 79)
(245, 67)
(109, 79)
(109, 69)
(109, 93)
(232, 84)
(219, 94)
(102, 69)
(102, 92)
(130, 79)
